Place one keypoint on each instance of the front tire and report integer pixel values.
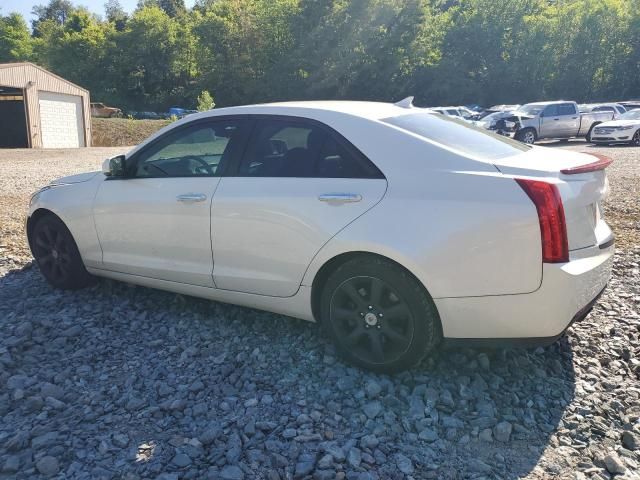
(588, 137)
(635, 140)
(57, 255)
(378, 315)
(527, 135)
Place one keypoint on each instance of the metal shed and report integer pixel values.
(39, 109)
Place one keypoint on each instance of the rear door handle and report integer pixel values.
(340, 197)
(191, 197)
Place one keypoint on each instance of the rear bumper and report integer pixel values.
(567, 294)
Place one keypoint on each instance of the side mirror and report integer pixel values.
(114, 167)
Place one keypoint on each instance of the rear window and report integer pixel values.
(459, 135)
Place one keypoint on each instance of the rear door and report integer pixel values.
(297, 185)
(569, 122)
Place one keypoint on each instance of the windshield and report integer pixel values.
(531, 109)
(458, 135)
(631, 115)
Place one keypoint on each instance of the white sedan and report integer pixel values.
(626, 129)
(393, 227)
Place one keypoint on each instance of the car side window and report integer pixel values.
(197, 150)
(551, 111)
(284, 148)
(566, 109)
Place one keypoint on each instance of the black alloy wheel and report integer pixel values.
(57, 255)
(378, 315)
(372, 320)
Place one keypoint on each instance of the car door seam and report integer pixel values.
(384, 194)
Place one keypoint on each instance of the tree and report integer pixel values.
(56, 10)
(205, 101)
(116, 14)
(15, 40)
(173, 8)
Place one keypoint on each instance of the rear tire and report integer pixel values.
(527, 135)
(57, 255)
(378, 315)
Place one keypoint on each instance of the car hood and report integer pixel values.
(79, 178)
(619, 123)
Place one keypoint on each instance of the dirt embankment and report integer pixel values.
(118, 132)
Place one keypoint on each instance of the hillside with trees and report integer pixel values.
(246, 51)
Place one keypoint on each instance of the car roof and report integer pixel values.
(368, 110)
(549, 103)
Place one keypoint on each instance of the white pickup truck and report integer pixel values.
(559, 119)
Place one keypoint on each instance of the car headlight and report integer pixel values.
(625, 128)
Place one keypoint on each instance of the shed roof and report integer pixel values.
(41, 71)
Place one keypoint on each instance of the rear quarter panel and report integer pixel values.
(458, 225)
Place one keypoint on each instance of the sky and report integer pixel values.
(96, 6)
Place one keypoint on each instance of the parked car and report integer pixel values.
(626, 129)
(615, 108)
(148, 115)
(179, 112)
(559, 120)
(391, 226)
(630, 104)
(462, 113)
(500, 108)
(490, 122)
(100, 110)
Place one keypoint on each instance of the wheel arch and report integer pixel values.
(329, 266)
(593, 125)
(35, 216)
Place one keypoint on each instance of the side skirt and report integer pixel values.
(297, 306)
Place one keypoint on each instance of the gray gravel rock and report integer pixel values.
(613, 463)
(232, 472)
(631, 440)
(502, 431)
(48, 466)
(405, 465)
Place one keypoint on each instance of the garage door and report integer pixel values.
(61, 120)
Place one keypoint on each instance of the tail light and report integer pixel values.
(553, 227)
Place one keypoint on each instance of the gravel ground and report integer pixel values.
(126, 382)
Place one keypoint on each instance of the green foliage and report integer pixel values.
(15, 40)
(441, 51)
(205, 101)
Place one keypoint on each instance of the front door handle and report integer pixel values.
(191, 197)
(340, 197)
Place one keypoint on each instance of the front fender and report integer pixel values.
(73, 204)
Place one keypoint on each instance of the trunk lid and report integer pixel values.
(582, 189)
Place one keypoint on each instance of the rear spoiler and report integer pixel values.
(600, 164)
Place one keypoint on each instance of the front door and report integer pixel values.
(157, 222)
(298, 184)
(550, 122)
